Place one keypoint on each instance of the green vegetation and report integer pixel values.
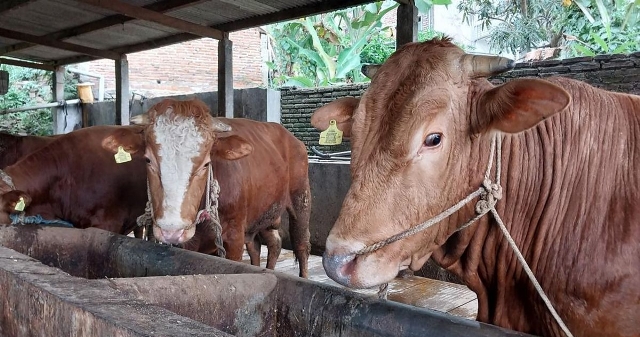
(330, 48)
(579, 27)
(30, 87)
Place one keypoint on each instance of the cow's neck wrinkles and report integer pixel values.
(179, 141)
(537, 167)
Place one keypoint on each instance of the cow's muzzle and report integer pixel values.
(339, 267)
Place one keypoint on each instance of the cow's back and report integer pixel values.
(80, 182)
(266, 177)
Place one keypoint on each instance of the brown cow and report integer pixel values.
(182, 140)
(14, 147)
(74, 179)
(570, 177)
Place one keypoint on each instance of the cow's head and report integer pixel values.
(179, 141)
(8, 202)
(413, 132)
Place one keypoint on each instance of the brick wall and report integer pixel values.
(297, 105)
(187, 67)
(611, 72)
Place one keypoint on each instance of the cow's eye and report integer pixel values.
(433, 140)
(207, 164)
(147, 160)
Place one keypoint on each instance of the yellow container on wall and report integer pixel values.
(85, 92)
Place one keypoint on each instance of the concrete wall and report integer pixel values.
(253, 103)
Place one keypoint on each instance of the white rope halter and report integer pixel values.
(489, 194)
(207, 215)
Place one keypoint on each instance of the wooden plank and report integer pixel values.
(422, 292)
(435, 295)
(34, 65)
(142, 13)
(122, 91)
(225, 77)
(112, 20)
(11, 34)
(468, 310)
(7, 5)
(407, 23)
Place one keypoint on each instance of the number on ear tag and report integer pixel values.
(20, 205)
(332, 135)
(122, 156)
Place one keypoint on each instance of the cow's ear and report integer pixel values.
(231, 147)
(340, 110)
(131, 140)
(14, 201)
(518, 105)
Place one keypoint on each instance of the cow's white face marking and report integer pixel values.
(179, 142)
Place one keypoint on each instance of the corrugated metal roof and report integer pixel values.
(83, 24)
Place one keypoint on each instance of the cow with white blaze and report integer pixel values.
(262, 170)
(570, 178)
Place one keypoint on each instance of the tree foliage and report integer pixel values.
(30, 87)
(328, 49)
(581, 27)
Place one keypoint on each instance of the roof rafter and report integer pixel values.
(43, 66)
(153, 16)
(11, 34)
(8, 5)
(161, 7)
(322, 7)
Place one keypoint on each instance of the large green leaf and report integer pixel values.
(600, 42)
(299, 82)
(583, 50)
(329, 63)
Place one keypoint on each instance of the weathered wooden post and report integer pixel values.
(407, 23)
(225, 77)
(122, 91)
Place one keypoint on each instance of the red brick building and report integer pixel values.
(187, 67)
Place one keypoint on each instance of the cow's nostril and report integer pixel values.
(339, 267)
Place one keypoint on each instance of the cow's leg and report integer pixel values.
(253, 249)
(234, 240)
(299, 227)
(274, 244)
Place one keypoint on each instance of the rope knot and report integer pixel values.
(489, 197)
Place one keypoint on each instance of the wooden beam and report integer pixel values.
(11, 34)
(161, 7)
(225, 77)
(407, 24)
(323, 7)
(42, 66)
(290, 14)
(149, 15)
(8, 5)
(122, 91)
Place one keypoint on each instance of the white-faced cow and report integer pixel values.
(262, 170)
(570, 181)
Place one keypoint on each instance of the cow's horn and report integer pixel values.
(142, 119)
(485, 66)
(219, 126)
(370, 69)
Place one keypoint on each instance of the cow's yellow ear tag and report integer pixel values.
(122, 156)
(20, 205)
(332, 135)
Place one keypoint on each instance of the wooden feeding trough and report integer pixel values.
(73, 282)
